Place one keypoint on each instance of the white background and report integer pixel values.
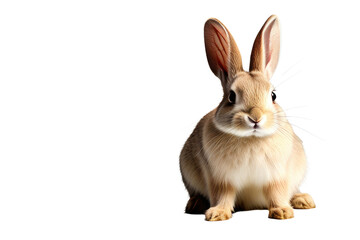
(98, 97)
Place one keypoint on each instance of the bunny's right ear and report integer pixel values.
(265, 52)
(222, 53)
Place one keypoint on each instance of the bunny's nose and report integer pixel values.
(255, 115)
(254, 121)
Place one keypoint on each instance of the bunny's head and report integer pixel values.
(249, 106)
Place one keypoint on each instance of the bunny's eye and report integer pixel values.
(232, 97)
(273, 96)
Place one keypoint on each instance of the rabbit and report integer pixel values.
(244, 154)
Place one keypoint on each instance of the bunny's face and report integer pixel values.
(248, 107)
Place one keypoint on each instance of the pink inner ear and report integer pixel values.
(268, 57)
(267, 43)
(221, 47)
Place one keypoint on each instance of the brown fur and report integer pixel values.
(197, 205)
(227, 163)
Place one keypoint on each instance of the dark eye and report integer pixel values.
(273, 95)
(232, 97)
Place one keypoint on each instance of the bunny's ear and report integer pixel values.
(265, 52)
(222, 53)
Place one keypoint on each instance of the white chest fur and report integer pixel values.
(246, 162)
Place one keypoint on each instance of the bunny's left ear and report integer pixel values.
(265, 52)
(222, 52)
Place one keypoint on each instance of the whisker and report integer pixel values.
(288, 135)
(308, 132)
(291, 67)
(294, 117)
(294, 125)
(287, 79)
(292, 108)
(211, 141)
(215, 141)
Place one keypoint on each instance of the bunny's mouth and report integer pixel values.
(247, 132)
(258, 133)
(263, 132)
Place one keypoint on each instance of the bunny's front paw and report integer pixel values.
(217, 214)
(281, 213)
(302, 201)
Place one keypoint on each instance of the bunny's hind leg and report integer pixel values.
(197, 204)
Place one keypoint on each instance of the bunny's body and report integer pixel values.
(244, 154)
